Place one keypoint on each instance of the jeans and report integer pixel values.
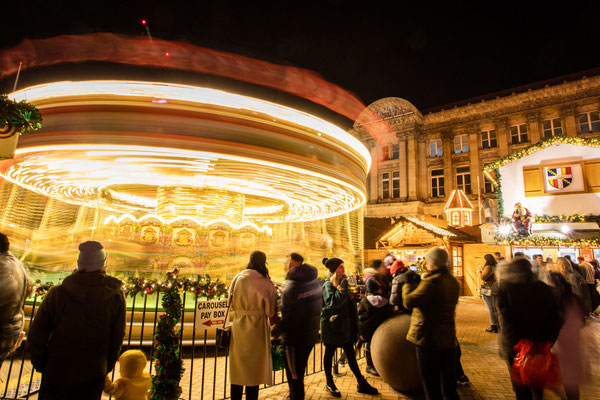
(438, 372)
(296, 357)
(460, 372)
(349, 351)
(237, 391)
(83, 391)
(490, 303)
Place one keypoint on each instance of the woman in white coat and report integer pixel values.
(252, 304)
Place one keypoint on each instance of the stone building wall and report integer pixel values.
(407, 136)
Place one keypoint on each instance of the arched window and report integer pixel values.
(455, 218)
(467, 219)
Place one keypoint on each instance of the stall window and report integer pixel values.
(457, 261)
(455, 218)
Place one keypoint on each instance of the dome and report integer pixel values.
(390, 108)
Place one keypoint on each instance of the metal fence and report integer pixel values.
(206, 367)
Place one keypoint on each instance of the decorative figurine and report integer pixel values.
(521, 220)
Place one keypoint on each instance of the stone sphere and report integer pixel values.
(394, 357)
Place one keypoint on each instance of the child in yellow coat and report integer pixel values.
(134, 382)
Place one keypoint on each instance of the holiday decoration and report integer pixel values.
(24, 117)
(202, 286)
(538, 241)
(169, 366)
(567, 218)
(521, 220)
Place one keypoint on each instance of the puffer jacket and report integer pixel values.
(15, 285)
(134, 382)
(301, 304)
(373, 310)
(434, 303)
(338, 318)
(79, 328)
(406, 276)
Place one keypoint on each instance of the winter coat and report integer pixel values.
(134, 382)
(580, 289)
(14, 286)
(78, 330)
(338, 318)
(372, 311)
(527, 310)
(433, 303)
(488, 276)
(252, 304)
(301, 304)
(397, 283)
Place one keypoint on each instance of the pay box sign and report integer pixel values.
(211, 314)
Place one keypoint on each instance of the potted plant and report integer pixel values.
(16, 118)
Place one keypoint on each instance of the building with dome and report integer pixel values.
(421, 157)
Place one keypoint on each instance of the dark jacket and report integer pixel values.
(433, 303)
(527, 309)
(372, 312)
(338, 317)
(301, 304)
(77, 333)
(406, 276)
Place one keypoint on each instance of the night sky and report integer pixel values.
(430, 55)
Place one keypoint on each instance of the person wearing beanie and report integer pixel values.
(75, 362)
(134, 382)
(373, 310)
(338, 326)
(432, 326)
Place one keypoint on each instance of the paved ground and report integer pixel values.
(487, 371)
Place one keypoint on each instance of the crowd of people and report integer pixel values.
(75, 338)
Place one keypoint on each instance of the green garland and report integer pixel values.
(200, 285)
(498, 190)
(567, 218)
(25, 117)
(538, 241)
(169, 366)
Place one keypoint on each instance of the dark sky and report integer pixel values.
(430, 55)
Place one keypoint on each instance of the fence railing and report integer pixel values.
(206, 367)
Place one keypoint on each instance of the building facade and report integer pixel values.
(418, 160)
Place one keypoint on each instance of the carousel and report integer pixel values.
(169, 176)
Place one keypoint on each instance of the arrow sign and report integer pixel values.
(210, 322)
(210, 314)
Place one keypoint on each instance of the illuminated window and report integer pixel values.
(518, 134)
(437, 183)
(435, 148)
(455, 218)
(552, 127)
(457, 261)
(467, 218)
(463, 179)
(489, 139)
(385, 185)
(396, 185)
(589, 122)
(390, 152)
(461, 144)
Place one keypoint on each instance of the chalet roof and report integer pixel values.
(413, 231)
(458, 200)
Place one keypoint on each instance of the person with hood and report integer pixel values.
(373, 310)
(76, 335)
(401, 276)
(134, 382)
(339, 326)
(489, 291)
(15, 289)
(301, 304)
(432, 326)
(528, 310)
(252, 303)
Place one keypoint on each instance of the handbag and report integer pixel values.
(485, 290)
(277, 357)
(534, 365)
(223, 335)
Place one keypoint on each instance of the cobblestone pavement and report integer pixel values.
(482, 364)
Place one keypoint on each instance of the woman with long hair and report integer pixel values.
(489, 290)
(339, 326)
(252, 302)
(565, 268)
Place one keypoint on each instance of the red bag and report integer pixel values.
(534, 365)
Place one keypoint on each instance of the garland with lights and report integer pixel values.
(567, 218)
(200, 285)
(23, 116)
(169, 366)
(546, 241)
(498, 190)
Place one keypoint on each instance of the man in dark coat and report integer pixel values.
(301, 304)
(432, 327)
(528, 310)
(77, 333)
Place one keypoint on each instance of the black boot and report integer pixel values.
(365, 388)
(332, 389)
(492, 329)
